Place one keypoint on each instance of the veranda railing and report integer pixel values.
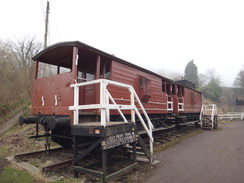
(108, 103)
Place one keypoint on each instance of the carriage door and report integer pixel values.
(180, 94)
(174, 97)
(193, 99)
(90, 90)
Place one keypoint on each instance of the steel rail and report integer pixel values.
(35, 153)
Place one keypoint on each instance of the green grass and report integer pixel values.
(12, 175)
(2, 151)
(226, 121)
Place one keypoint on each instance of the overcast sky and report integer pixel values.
(160, 35)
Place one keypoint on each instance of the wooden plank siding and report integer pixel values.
(125, 74)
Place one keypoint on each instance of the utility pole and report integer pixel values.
(46, 25)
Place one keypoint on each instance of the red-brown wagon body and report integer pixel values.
(63, 64)
(79, 93)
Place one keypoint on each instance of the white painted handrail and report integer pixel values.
(104, 106)
(210, 110)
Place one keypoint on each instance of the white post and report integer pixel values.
(212, 116)
(132, 102)
(107, 102)
(76, 104)
(102, 101)
(151, 150)
(43, 101)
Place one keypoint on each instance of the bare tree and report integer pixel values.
(212, 88)
(23, 50)
(8, 79)
(16, 72)
(202, 80)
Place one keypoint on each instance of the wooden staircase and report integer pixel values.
(142, 150)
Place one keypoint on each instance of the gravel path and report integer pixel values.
(209, 157)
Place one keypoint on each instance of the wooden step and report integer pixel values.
(138, 153)
(131, 147)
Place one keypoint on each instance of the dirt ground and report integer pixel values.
(211, 156)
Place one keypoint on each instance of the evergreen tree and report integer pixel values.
(191, 73)
(239, 81)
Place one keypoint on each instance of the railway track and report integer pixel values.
(24, 156)
(37, 157)
(61, 158)
(170, 135)
(175, 133)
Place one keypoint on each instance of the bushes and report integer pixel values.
(12, 108)
(4, 109)
(16, 73)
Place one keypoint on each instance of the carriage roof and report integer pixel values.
(62, 51)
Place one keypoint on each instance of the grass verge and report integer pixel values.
(12, 175)
(227, 121)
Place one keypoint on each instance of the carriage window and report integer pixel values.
(163, 86)
(101, 70)
(173, 89)
(168, 88)
(90, 74)
(107, 70)
(64, 70)
(45, 70)
(80, 76)
(180, 91)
